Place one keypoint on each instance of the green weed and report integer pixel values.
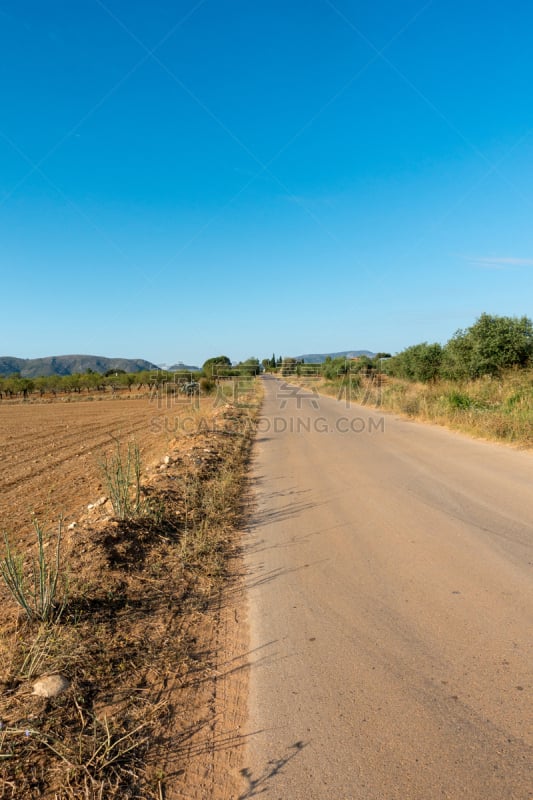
(122, 479)
(42, 590)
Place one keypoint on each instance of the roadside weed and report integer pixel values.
(122, 478)
(42, 590)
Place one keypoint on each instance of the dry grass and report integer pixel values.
(127, 629)
(495, 408)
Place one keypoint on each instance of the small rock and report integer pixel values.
(72, 526)
(97, 503)
(166, 460)
(50, 686)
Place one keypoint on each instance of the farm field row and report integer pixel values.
(51, 451)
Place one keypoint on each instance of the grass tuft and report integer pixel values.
(42, 590)
(122, 479)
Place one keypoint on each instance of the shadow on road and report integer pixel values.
(293, 507)
(267, 577)
(260, 784)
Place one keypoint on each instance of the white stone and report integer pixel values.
(50, 686)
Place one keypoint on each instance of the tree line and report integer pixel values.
(488, 347)
(89, 382)
(14, 385)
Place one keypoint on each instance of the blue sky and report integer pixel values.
(188, 178)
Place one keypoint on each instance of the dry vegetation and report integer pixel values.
(129, 639)
(499, 407)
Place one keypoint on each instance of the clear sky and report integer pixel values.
(184, 178)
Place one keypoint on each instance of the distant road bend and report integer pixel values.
(390, 586)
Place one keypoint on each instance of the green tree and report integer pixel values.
(25, 386)
(72, 383)
(213, 366)
(128, 379)
(143, 378)
(491, 344)
(288, 366)
(250, 366)
(420, 362)
(333, 367)
(457, 357)
(41, 385)
(55, 384)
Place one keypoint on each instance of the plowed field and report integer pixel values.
(151, 640)
(50, 451)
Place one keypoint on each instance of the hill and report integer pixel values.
(180, 367)
(319, 358)
(68, 365)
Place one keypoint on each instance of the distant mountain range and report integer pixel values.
(67, 365)
(179, 367)
(319, 358)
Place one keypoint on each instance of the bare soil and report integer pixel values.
(50, 451)
(152, 640)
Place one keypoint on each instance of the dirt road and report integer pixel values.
(390, 582)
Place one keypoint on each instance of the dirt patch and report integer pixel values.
(50, 452)
(151, 640)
